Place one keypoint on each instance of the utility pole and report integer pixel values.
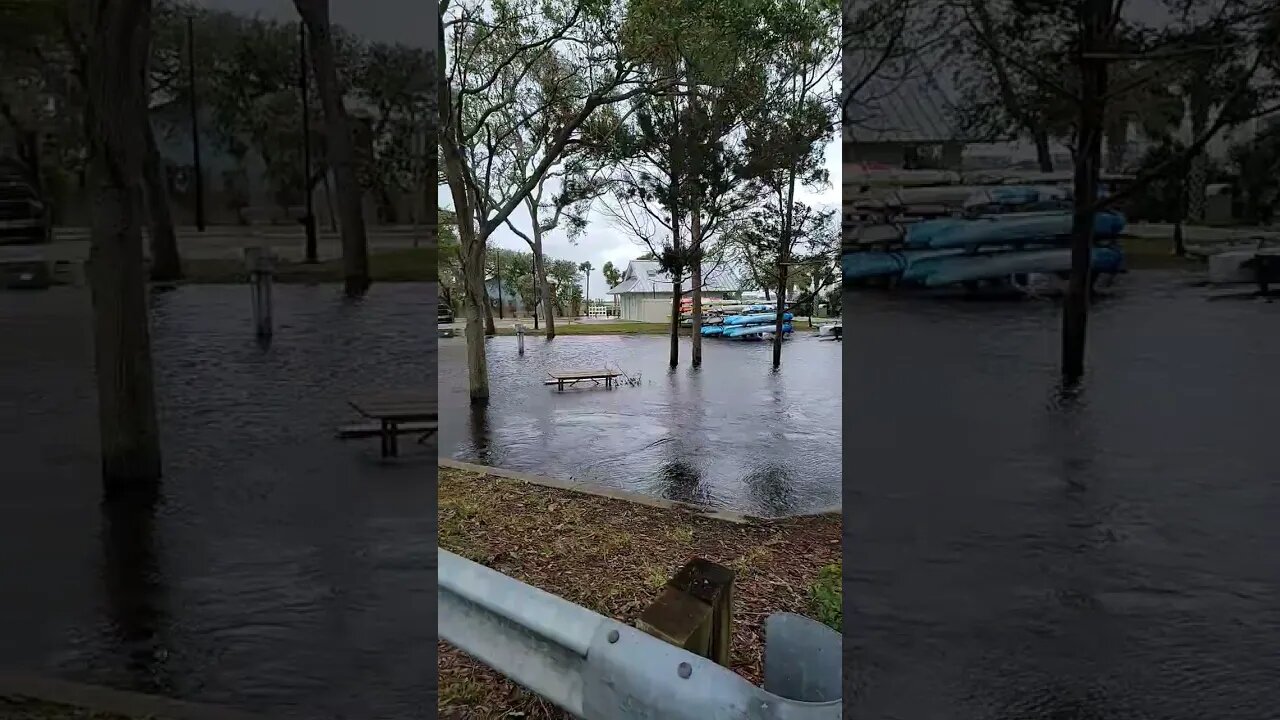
(195, 124)
(309, 219)
(497, 264)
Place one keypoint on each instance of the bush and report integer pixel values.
(827, 598)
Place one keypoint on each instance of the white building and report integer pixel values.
(644, 295)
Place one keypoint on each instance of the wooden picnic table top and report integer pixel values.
(396, 408)
(582, 374)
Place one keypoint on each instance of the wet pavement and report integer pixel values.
(281, 571)
(1016, 553)
(734, 435)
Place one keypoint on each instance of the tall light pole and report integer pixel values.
(309, 219)
(497, 264)
(195, 124)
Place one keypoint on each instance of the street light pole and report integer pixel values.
(197, 168)
(309, 219)
(498, 265)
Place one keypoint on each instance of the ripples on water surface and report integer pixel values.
(733, 434)
(283, 571)
(1016, 555)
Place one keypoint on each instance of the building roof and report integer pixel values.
(915, 110)
(647, 276)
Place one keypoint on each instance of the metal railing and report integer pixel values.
(596, 668)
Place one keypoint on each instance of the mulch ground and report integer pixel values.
(613, 557)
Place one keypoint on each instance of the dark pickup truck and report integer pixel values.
(24, 217)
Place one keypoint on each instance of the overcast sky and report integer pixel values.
(410, 22)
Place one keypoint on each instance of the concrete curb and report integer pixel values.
(637, 498)
(106, 700)
(585, 489)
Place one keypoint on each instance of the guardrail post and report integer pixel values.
(695, 611)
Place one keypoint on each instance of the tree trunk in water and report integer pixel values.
(780, 307)
(471, 247)
(695, 228)
(476, 306)
(1088, 157)
(117, 278)
(544, 287)
(695, 279)
(166, 265)
(677, 274)
(677, 279)
(784, 257)
(341, 152)
(1044, 155)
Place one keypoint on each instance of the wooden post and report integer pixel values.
(258, 260)
(695, 611)
(520, 337)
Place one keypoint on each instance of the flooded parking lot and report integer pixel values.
(733, 434)
(1016, 552)
(281, 571)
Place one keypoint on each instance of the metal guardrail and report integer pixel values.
(599, 669)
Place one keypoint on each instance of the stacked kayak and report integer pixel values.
(714, 311)
(1030, 236)
(752, 326)
(1020, 228)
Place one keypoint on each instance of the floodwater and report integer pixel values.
(280, 571)
(734, 434)
(1016, 553)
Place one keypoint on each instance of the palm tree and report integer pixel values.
(586, 269)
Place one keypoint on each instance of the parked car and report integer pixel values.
(444, 315)
(24, 216)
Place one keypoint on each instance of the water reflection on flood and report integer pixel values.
(1021, 553)
(733, 434)
(276, 569)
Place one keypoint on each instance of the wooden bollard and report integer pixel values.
(695, 611)
(261, 270)
(520, 337)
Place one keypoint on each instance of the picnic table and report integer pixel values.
(568, 378)
(392, 417)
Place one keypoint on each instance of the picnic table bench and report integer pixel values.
(391, 418)
(568, 378)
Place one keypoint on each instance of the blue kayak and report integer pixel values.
(875, 263)
(1003, 229)
(997, 265)
(749, 330)
(712, 330)
(754, 319)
